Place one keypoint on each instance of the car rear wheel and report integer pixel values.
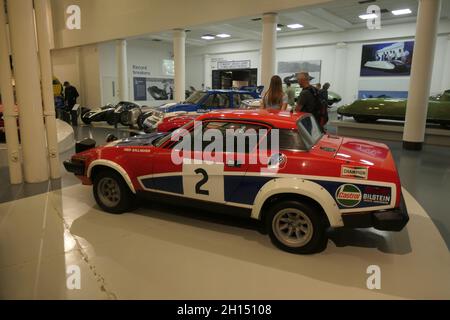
(296, 227)
(112, 193)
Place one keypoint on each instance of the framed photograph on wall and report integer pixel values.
(390, 59)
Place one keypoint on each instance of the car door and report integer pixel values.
(202, 172)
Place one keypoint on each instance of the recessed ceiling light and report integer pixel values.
(278, 29)
(208, 37)
(368, 16)
(401, 12)
(295, 26)
(223, 35)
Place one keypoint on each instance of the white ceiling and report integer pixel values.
(335, 16)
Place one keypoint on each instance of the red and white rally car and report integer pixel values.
(309, 182)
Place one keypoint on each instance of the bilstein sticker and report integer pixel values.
(377, 195)
(348, 195)
(354, 172)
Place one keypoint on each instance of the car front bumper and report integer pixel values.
(387, 220)
(76, 168)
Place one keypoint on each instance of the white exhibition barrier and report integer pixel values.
(66, 141)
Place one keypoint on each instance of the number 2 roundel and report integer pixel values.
(204, 181)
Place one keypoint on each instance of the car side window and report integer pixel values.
(223, 100)
(241, 137)
(288, 140)
(209, 102)
(218, 100)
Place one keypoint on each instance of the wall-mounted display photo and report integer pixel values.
(153, 89)
(387, 59)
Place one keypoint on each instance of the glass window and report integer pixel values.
(196, 97)
(223, 100)
(310, 130)
(288, 140)
(246, 131)
(246, 96)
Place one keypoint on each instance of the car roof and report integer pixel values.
(275, 118)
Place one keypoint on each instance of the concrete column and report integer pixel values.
(340, 70)
(28, 90)
(179, 52)
(421, 73)
(43, 20)
(122, 68)
(268, 48)
(9, 112)
(446, 67)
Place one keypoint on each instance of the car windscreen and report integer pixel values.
(309, 130)
(196, 97)
(164, 139)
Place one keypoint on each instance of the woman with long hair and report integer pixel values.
(275, 98)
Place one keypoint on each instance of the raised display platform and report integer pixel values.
(66, 141)
(388, 130)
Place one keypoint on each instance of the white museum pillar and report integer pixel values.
(79, 64)
(446, 68)
(122, 70)
(9, 112)
(28, 90)
(179, 52)
(43, 20)
(421, 73)
(268, 48)
(207, 76)
(340, 69)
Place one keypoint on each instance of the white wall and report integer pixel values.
(322, 46)
(144, 53)
(79, 66)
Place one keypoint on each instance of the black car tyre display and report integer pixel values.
(296, 227)
(112, 193)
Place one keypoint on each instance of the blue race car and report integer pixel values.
(199, 102)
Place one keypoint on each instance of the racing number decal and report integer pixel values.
(204, 181)
(201, 183)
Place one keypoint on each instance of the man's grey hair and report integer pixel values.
(304, 74)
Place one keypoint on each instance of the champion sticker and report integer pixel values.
(348, 195)
(355, 172)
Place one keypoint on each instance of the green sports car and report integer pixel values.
(370, 110)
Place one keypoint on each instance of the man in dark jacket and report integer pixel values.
(70, 95)
(309, 100)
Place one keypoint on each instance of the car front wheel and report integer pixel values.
(111, 192)
(296, 227)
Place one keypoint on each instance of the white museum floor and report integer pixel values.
(158, 252)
